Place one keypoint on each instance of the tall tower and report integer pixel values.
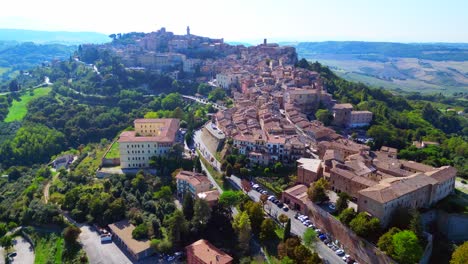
(188, 31)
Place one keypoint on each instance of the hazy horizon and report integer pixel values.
(401, 21)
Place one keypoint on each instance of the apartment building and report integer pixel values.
(192, 182)
(152, 137)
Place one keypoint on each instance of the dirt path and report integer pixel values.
(47, 187)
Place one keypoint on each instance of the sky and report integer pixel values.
(251, 20)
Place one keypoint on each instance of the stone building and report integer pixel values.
(152, 137)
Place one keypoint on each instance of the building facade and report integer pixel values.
(308, 171)
(192, 182)
(152, 137)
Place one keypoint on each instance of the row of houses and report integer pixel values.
(376, 180)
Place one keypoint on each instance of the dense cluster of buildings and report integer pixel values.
(376, 180)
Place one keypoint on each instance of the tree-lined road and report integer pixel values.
(296, 226)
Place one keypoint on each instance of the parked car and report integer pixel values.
(339, 252)
(322, 237)
(12, 255)
(334, 248)
(330, 244)
(106, 238)
(264, 192)
(345, 257)
(285, 208)
(271, 198)
(332, 207)
(326, 241)
(280, 204)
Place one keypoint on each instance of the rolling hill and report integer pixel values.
(414, 67)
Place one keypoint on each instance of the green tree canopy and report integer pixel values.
(460, 255)
(267, 230)
(407, 248)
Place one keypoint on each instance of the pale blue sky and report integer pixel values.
(252, 20)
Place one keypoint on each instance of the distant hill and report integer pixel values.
(16, 56)
(57, 37)
(408, 67)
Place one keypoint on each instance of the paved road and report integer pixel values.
(296, 226)
(24, 250)
(204, 101)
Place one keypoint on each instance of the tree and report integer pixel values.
(217, 94)
(188, 206)
(177, 227)
(406, 247)
(263, 200)
(255, 212)
(385, 242)
(267, 230)
(363, 226)
(315, 259)
(3, 229)
(460, 255)
(415, 224)
(6, 242)
(164, 193)
(140, 232)
(302, 254)
(242, 226)
(70, 234)
(342, 202)
(283, 218)
(287, 230)
(229, 199)
(324, 116)
(229, 170)
(317, 191)
(310, 236)
(290, 245)
(201, 215)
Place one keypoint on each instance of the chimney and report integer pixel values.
(265, 41)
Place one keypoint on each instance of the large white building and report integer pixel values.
(152, 137)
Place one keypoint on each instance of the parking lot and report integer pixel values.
(98, 252)
(24, 251)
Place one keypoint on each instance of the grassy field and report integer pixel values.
(48, 247)
(92, 162)
(18, 109)
(114, 151)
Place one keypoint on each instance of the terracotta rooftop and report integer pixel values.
(167, 131)
(123, 230)
(192, 177)
(393, 188)
(443, 173)
(207, 253)
(299, 191)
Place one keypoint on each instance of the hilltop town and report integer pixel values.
(181, 148)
